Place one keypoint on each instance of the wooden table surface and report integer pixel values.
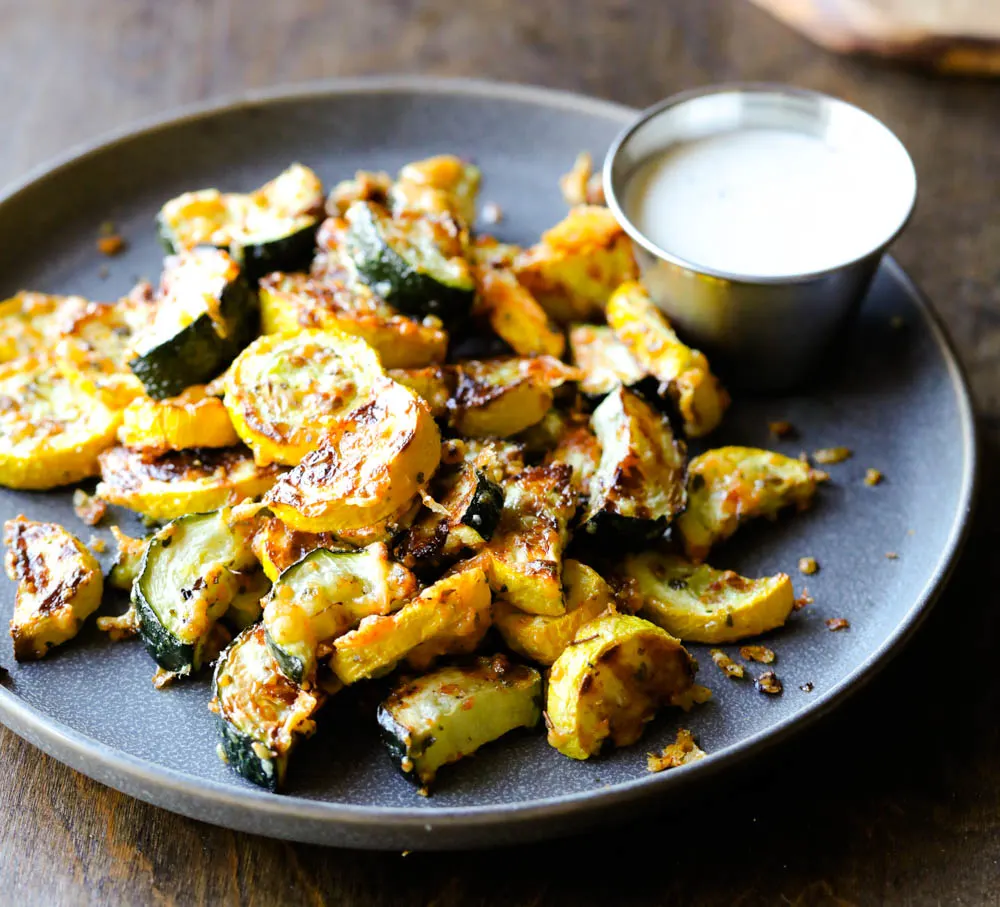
(896, 800)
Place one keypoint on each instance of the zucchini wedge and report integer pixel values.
(53, 424)
(579, 449)
(729, 485)
(290, 303)
(434, 384)
(610, 682)
(286, 395)
(543, 639)
(59, 585)
(188, 577)
(685, 372)
(384, 454)
(194, 418)
(452, 616)
(206, 313)
(367, 186)
(577, 264)
(277, 547)
(603, 360)
(414, 261)
(515, 315)
(183, 481)
(323, 596)
(436, 185)
(639, 487)
(247, 605)
(437, 719)
(525, 554)
(262, 714)
(270, 229)
(502, 397)
(697, 603)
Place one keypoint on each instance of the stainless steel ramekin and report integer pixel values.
(766, 333)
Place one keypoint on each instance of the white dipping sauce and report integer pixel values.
(770, 202)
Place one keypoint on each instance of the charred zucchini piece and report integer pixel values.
(413, 260)
(639, 486)
(729, 485)
(439, 184)
(697, 603)
(450, 713)
(525, 555)
(502, 397)
(609, 683)
(59, 585)
(515, 315)
(577, 264)
(603, 360)
(323, 596)
(270, 229)
(262, 714)
(194, 418)
(543, 639)
(277, 547)
(450, 616)
(187, 580)
(206, 314)
(183, 481)
(385, 453)
(291, 303)
(644, 329)
(286, 395)
(434, 384)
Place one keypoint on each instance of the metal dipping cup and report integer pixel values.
(765, 333)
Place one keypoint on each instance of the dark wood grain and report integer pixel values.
(894, 801)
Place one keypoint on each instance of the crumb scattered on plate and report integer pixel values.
(872, 477)
(806, 687)
(826, 456)
(837, 623)
(110, 245)
(808, 565)
(694, 695)
(726, 664)
(88, 508)
(682, 751)
(492, 213)
(97, 545)
(768, 683)
(804, 599)
(891, 556)
(781, 429)
(762, 654)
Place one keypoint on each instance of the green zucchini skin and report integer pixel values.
(293, 667)
(285, 253)
(482, 513)
(394, 274)
(439, 718)
(197, 352)
(166, 649)
(244, 757)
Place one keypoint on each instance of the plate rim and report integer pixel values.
(343, 823)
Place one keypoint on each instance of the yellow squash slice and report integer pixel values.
(59, 584)
(440, 184)
(277, 547)
(383, 455)
(731, 484)
(697, 603)
(286, 395)
(182, 482)
(642, 327)
(610, 682)
(450, 616)
(515, 315)
(194, 418)
(543, 639)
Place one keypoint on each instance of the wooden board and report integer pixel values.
(953, 36)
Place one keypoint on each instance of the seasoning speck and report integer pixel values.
(729, 667)
(110, 245)
(826, 456)
(806, 687)
(891, 556)
(808, 565)
(103, 272)
(768, 683)
(492, 213)
(682, 751)
(781, 429)
(762, 654)
(837, 623)
(872, 477)
(804, 599)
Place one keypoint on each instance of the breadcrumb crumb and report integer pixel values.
(88, 508)
(872, 477)
(97, 545)
(729, 667)
(680, 752)
(804, 599)
(806, 687)
(694, 695)
(891, 556)
(762, 654)
(837, 623)
(826, 456)
(111, 245)
(768, 683)
(573, 185)
(781, 429)
(808, 565)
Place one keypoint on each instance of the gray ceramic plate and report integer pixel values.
(899, 402)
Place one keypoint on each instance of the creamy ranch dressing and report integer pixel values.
(770, 202)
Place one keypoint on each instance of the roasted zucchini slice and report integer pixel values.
(525, 554)
(579, 449)
(323, 596)
(206, 314)
(290, 303)
(501, 397)
(603, 360)
(53, 424)
(639, 486)
(194, 418)
(643, 328)
(367, 186)
(450, 616)
(247, 605)
(262, 714)
(413, 260)
(515, 315)
(181, 482)
(384, 454)
(697, 603)
(277, 547)
(577, 264)
(610, 682)
(59, 585)
(728, 485)
(286, 395)
(434, 384)
(188, 578)
(431, 721)
(439, 184)
(270, 229)
(543, 639)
